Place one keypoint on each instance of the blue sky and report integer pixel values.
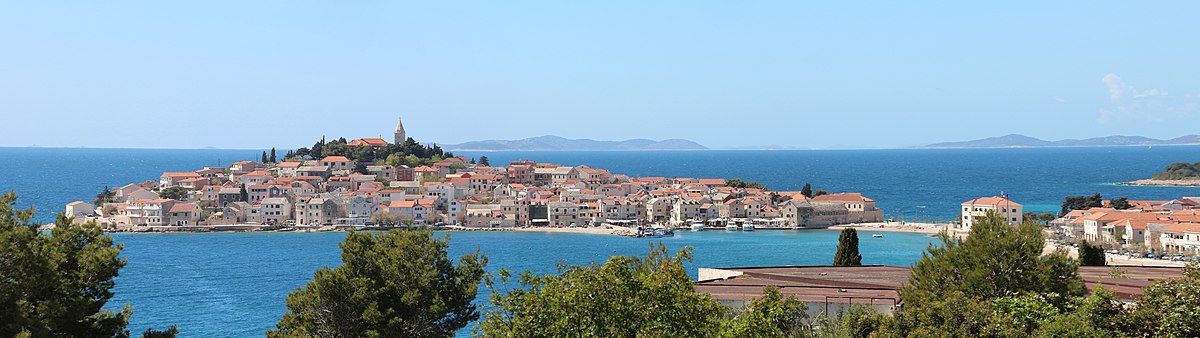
(255, 74)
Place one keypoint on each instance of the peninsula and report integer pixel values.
(373, 183)
(1022, 141)
(1181, 174)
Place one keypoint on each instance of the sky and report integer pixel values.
(726, 74)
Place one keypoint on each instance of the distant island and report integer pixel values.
(1022, 141)
(1176, 174)
(550, 142)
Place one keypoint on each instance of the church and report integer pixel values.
(374, 142)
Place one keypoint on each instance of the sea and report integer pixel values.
(235, 284)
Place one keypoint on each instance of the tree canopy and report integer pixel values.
(1091, 255)
(1081, 203)
(1180, 171)
(739, 183)
(399, 283)
(847, 249)
(393, 154)
(175, 193)
(1120, 203)
(56, 284)
(624, 297)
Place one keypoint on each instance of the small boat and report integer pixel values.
(697, 226)
(877, 235)
(731, 227)
(664, 233)
(748, 227)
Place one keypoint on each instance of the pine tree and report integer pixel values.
(483, 161)
(1091, 255)
(807, 191)
(847, 249)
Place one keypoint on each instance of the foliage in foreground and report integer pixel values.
(400, 283)
(56, 284)
(650, 296)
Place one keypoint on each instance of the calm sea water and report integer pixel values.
(234, 284)
(217, 285)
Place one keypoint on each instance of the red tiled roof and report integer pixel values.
(994, 200)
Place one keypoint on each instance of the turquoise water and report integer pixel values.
(234, 284)
(218, 285)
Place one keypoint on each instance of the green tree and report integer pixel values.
(272, 157)
(807, 190)
(1091, 255)
(483, 161)
(739, 183)
(847, 249)
(771, 315)
(1081, 203)
(56, 283)
(399, 283)
(819, 192)
(105, 196)
(1120, 203)
(264, 157)
(360, 167)
(1098, 315)
(624, 297)
(175, 193)
(1169, 308)
(243, 195)
(996, 260)
(952, 286)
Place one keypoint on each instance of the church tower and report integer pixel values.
(400, 136)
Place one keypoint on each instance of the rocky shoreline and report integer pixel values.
(1164, 183)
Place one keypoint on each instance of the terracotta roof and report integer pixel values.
(183, 207)
(288, 165)
(994, 200)
(336, 159)
(1182, 227)
(845, 197)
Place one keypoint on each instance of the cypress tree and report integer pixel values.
(847, 249)
(1091, 255)
(264, 157)
(272, 157)
(243, 195)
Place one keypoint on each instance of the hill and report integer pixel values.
(550, 142)
(1022, 141)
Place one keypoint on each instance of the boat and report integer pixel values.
(877, 235)
(697, 226)
(731, 227)
(748, 227)
(664, 233)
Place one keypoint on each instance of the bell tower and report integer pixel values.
(400, 135)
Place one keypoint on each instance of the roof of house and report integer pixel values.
(1182, 228)
(335, 159)
(993, 201)
(288, 164)
(183, 207)
(844, 197)
(368, 141)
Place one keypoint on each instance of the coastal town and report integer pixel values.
(339, 193)
(1134, 227)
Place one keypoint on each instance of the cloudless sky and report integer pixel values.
(255, 74)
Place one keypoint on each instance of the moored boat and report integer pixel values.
(731, 227)
(697, 226)
(748, 227)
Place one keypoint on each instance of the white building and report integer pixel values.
(977, 209)
(80, 208)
